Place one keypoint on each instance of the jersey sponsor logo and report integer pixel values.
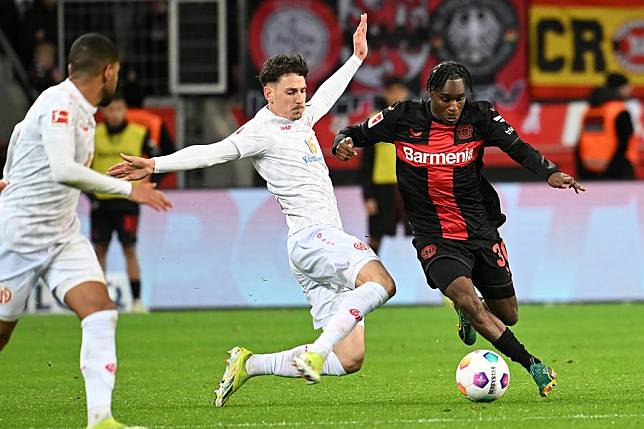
(360, 245)
(428, 158)
(285, 127)
(309, 159)
(415, 134)
(5, 295)
(59, 117)
(356, 313)
(465, 131)
(428, 251)
(375, 119)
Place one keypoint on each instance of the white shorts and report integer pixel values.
(326, 261)
(61, 268)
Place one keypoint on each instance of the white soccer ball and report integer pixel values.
(482, 376)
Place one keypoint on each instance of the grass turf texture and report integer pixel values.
(169, 363)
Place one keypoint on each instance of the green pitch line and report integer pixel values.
(170, 362)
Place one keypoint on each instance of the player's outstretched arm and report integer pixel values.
(329, 92)
(360, 48)
(3, 184)
(565, 181)
(189, 158)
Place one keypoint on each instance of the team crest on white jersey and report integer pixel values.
(5, 295)
(311, 144)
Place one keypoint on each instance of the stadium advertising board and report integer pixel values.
(574, 44)
(227, 248)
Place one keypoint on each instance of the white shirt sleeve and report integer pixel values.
(329, 92)
(59, 140)
(9, 159)
(241, 144)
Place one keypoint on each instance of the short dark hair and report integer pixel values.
(90, 53)
(615, 80)
(390, 81)
(448, 70)
(280, 65)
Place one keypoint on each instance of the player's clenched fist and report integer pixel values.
(343, 148)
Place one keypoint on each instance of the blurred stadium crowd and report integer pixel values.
(538, 61)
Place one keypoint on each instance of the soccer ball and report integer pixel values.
(482, 376)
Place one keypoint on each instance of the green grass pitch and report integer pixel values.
(169, 363)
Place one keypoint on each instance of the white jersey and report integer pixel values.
(285, 153)
(48, 159)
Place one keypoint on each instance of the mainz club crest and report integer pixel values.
(309, 28)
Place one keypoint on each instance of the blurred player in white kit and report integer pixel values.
(47, 167)
(341, 277)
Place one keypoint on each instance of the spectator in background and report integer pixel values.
(382, 199)
(132, 90)
(111, 213)
(42, 20)
(43, 73)
(607, 148)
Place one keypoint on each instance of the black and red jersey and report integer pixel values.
(439, 166)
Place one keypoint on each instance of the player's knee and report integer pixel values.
(95, 306)
(510, 318)
(4, 337)
(374, 271)
(353, 363)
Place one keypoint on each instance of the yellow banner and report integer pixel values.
(572, 48)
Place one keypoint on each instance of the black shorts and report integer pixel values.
(390, 212)
(485, 261)
(111, 215)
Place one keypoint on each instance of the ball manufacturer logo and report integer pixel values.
(361, 245)
(428, 251)
(356, 313)
(5, 295)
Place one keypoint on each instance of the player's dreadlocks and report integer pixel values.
(448, 70)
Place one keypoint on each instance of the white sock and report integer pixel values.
(281, 363)
(355, 305)
(98, 363)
